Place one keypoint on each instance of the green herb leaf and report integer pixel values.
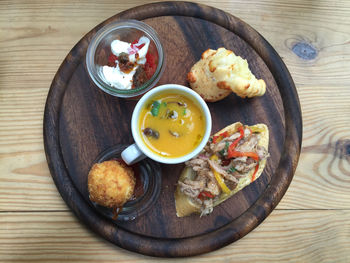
(155, 108)
(222, 152)
(184, 112)
(231, 170)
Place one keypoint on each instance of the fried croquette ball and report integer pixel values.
(111, 183)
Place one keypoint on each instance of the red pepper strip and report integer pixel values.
(140, 46)
(205, 194)
(253, 155)
(215, 138)
(219, 137)
(135, 48)
(235, 142)
(256, 169)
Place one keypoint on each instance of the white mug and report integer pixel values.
(138, 151)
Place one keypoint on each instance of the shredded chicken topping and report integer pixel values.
(204, 189)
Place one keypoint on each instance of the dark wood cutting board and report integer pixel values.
(81, 121)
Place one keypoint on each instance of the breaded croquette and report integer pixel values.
(111, 183)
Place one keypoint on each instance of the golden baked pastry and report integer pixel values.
(220, 72)
(111, 183)
(202, 82)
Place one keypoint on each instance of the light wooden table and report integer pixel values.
(311, 223)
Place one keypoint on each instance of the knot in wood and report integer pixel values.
(342, 149)
(304, 50)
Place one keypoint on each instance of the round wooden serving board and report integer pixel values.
(81, 121)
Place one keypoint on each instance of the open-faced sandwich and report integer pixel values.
(232, 159)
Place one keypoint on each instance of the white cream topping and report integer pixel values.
(117, 78)
(113, 75)
(118, 47)
(142, 52)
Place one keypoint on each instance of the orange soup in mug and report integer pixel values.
(171, 125)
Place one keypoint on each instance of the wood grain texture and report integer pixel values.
(287, 236)
(323, 173)
(37, 35)
(25, 182)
